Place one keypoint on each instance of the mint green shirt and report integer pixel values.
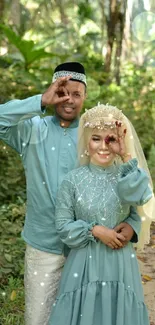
(48, 153)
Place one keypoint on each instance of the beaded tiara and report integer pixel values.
(102, 117)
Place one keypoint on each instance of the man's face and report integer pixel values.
(69, 110)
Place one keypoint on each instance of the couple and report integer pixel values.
(48, 149)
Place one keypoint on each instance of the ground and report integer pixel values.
(147, 268)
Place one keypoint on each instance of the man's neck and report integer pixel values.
(65, 124)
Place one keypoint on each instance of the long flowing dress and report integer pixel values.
(100, 286)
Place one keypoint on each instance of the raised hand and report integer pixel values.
(116, 142)
(56, 93)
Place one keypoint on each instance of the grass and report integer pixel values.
(12, 302)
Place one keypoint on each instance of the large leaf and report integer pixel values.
(27, 48)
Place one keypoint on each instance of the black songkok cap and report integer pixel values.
(75, 69)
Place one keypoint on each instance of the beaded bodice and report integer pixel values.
(96, 197)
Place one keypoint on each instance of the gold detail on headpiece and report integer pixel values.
(102, 117)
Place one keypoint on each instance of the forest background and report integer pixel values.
(115, 40)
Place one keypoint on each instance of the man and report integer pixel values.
(48, 150)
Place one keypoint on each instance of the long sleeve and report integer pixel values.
(15, 121)
(133, 184)
(74, 233)
(134, 221)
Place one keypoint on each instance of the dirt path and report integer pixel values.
(147, 268)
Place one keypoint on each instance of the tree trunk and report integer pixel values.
(101, 4)
(111, 32)
(60, 4)
(126, 44)
(119, 40)
(15, 14)
(115, 30)
(2, 6)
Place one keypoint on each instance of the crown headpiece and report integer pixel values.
(102, 117)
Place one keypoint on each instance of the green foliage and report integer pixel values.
(21, 83)
(151, 162)
(135, 97)
(12, 211)
(27, 48)
(11, 244)
(67, 34)
(85, 11)
(12, 179)
(12, 302)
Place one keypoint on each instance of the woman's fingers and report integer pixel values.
(118, 242)
(119, 131)
(121, 237)
(115, 244)
(110, 245)
(110, 138)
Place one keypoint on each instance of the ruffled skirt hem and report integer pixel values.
(99, 303)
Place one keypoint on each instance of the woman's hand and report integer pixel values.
(116, 142)
(108, 236)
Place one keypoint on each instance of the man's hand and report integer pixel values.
(108, 236)
(56, 93)
(126, 230)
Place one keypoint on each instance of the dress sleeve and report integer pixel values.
(15, 121)
(133, 184)
(74, 233)
(134, 220)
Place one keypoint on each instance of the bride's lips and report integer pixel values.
(104, 154)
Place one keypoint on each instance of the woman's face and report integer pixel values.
(99, 149)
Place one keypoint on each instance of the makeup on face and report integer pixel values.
(98, 147)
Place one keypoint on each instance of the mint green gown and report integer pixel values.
(99, 286)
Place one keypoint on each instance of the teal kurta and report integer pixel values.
(48, 153)
(99, 286)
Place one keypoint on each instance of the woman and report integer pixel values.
(101, 284)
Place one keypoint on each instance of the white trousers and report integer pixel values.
(42, 275)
